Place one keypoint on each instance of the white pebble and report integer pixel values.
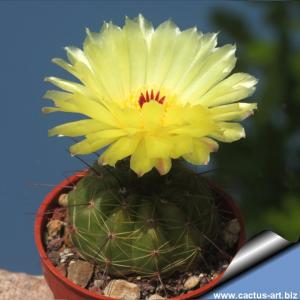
(156, 297)
(122, 289)
(191, 282)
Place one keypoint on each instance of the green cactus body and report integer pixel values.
(147, 226)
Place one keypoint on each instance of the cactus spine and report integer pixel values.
(149, 226)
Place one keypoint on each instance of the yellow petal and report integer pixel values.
(212, 145)
(127, 118)
(63, 64)
(66, 85)
(109, 133)
(195, 131)
(229, 132)
(120, 149)
(163, 165)
(138, 33)
(87, 146)
(77, 128)
(174, 116)
(207, 44)
(187, 44)
(78, 103)
(62, 101)
(140, 163)
(196, 115)
(160, 53)
(200, 153)
(181, 145)
(215, 68)
(157, 147)
(57, 95)
(232, 89)
(152, 113)
(96, 141)
(233, 112)
(109, 56)
(77, 58)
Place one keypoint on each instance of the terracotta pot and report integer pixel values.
(63, 288)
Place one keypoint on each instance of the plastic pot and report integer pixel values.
(63, 288)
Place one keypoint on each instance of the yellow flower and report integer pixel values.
(151, 94)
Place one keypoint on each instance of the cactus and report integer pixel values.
(149, 226)
(150, 97)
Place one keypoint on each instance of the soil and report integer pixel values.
(63, 255)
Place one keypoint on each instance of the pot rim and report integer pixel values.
(54, 193)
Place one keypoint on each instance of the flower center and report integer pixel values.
(146, 97)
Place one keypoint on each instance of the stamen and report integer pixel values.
(146, 97)
(157, 96)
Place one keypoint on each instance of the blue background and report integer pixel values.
(32, 33)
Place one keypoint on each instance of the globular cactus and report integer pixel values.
(149, 226)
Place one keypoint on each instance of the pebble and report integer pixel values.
(156, 297)
(122, 289)
(55, 244)
(59, 213)
(66, 253)
(99, 283)
(67, 238)
(191, 282)
(80, 272)
(63, 200)
(62, 268)
(54, 228)
(54, 256)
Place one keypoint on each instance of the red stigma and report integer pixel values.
(145, 97)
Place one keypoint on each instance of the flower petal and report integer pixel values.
(66, 85)
(215, 68)
(158, 147)
(77, 128)
(207, 44)
(88, 146)
(160, 53)
(77, 103)
(138, 33)
(233, 112)
(118, 150)
(108, 54)
(229, 132)
(140, 163)
(200, 153)
(232, 89)
(152, 113)
(181, 145)
(163, 165)
(195, 131)
(187, 44)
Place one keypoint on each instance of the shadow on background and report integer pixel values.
(262, 171)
